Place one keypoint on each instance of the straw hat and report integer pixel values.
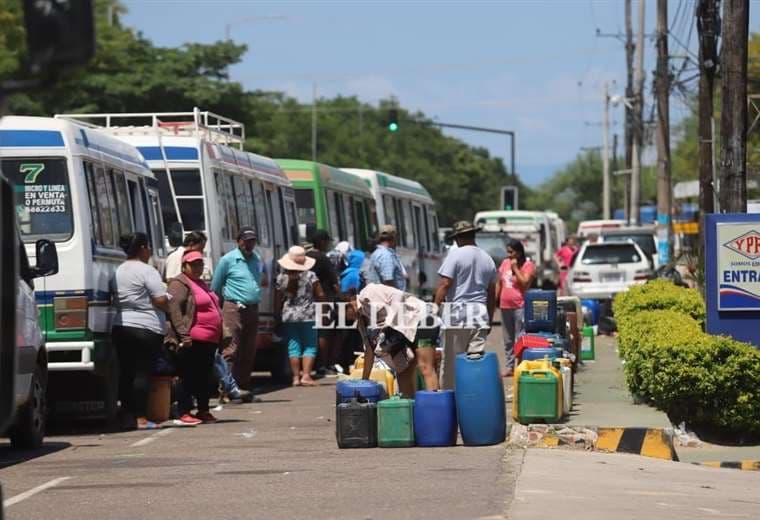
(462, 227)
(296, 260)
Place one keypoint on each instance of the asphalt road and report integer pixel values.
(270, 460)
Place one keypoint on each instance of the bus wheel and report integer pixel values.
(28, 431)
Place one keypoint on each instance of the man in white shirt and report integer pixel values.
(194, 241)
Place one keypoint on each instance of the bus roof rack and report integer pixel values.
(198, 123)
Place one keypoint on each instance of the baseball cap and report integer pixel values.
(192, 256)
(247, 233)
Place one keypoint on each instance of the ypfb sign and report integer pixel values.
(738, 266)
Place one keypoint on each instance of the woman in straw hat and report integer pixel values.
(297, 290)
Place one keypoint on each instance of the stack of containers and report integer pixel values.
(356, 413)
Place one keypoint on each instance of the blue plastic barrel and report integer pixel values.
(540, 311)
(480, 400)
(435, 418)
(360, 389)
(592, 307)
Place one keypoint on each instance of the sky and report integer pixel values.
(536, 67)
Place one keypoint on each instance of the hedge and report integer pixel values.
(704, 380)
(659, 294)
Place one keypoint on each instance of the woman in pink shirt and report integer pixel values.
(516, 275)
(564, 258)
(195, 331)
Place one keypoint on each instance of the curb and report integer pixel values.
(647, 442)
(745, 465)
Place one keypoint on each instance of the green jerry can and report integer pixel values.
(539, 397)
(587, 344)
(395, 422)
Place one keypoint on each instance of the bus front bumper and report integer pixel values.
(70, 356)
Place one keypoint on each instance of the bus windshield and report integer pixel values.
(43, 198)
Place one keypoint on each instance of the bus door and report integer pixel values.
(419, 229)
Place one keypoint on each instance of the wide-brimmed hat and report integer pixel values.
(462, 227)
(296, 260)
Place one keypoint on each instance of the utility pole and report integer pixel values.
(707, 27)
(629, 47)
(614, 167)
(662, 85)
(638, 132)
(733, 117)
(606, 153)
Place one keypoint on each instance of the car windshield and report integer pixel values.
(644, 240)
(610, 254)
(43, 198)
(493, 244)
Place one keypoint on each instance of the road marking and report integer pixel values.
(148, 440)
(26, 494)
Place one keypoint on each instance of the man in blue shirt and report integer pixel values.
(385, 265)
(237, 282)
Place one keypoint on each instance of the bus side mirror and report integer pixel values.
(47, 259)
(60, 34)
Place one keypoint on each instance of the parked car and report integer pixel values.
(643, 236)
(604, 269)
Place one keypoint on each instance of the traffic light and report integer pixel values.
(509, 197)
(393, 120)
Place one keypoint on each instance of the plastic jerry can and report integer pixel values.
(479, 395)
(356, 424)
(540, 396)
(435, 418)
(587, 344)
(395, 422)
(540, 311)
(531, 354)
(525, 366)
(565, 368)
(383, 376)
(360, 389)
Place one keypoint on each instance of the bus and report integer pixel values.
(80, 189)
(408, 206)
(539, 232)
(331, 199)
(207, 182)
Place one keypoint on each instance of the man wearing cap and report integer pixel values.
(385, 265)
(468, 286)
(237, 281)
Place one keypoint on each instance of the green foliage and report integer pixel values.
(11, 37)
(669, 361)
(659, 294)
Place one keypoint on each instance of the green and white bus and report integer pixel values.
(408, 206)
(331, 199)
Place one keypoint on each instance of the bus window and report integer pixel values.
(244, 202)
(332, 214)
(419, 228)
(426, 220)
(361, 224)
(411, 240)
(186, 182)
(191, 211)
(340, 210)
(292, 222)
(108, 221)
(168, 210)
(156, 229)
(307, 213)
(232, 213)
(349, 213)
(220, 200)
(89, 173)
(283, 218)
(389, 209)
(262, 219)
(277, 226)
(122, 202)
(141, 222)
(436, 237)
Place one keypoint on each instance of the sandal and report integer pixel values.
(148, 425)
(309, 383)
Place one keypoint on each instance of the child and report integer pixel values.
(297, 290)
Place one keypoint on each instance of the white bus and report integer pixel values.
(409, 207)
(81, 189)
(539, 232)
(208, 183)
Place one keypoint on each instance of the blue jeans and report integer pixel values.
(223, 374)
(513, 324)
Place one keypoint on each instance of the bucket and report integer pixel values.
(160, 398)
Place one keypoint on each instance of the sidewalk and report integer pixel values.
(601, 397)
(599, 486)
